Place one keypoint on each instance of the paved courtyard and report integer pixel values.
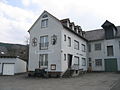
(89, 81)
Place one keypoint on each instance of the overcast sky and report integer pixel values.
(17, 16)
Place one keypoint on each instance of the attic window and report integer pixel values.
(44, 16)
(44, 23)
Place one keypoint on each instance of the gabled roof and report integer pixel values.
(40, 16)
(94, 35)
(107, 24)
(60, 21)
(67, 19)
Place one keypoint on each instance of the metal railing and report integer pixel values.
(43, 63)
(44, 45)
(75, 67)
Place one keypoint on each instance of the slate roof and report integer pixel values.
(99, 34)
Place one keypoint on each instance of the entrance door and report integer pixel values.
(111, 65)
(8, 69)
(69, 60)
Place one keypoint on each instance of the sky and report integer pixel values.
(17, 16)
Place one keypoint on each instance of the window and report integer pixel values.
(76, 60)
(119, 44)
(110, 51)
(43, 42)
(45, 16)
(83, 47)
(98, 62)
(43, 59)
(98, 46)
(69, 41)
(64, 57)
(64, 37)
(76, 45)
(90, 62)
(89, 47)
(83, 62)
(44, 23)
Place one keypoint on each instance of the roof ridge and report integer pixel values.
(94, 30)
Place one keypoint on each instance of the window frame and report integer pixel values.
(84, 61)
(98, 62)
(45, 44)
(69, 42)
(76, 45)
(97, 46)
(43, 59)
(64, 37)
(65, 57)
(83, 47)
(44, 23)
(108, 51)
(77, 59)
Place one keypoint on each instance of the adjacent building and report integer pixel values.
(11, 65)
(104, 48)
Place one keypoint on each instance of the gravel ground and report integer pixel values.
(89, 81)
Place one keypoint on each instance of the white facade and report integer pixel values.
(11, 66)
(70, 50)
(56, 52)
(67, 46)
(102, 54)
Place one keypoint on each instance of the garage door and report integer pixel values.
(110, 65)
(8, 69)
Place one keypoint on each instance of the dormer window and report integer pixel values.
(44, 23)
(75, 29)
(79, 32)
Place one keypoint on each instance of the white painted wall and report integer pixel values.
(54, 57)
(70, 50)
(58, 50)
(20, 66)
(102, 54)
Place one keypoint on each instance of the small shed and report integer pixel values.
(11, 65)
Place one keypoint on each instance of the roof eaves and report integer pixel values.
(74, 32)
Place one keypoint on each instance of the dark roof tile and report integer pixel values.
(99, 34)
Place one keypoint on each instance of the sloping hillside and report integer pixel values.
(8, 49)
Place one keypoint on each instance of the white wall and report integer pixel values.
(20, 66)
(54, 57)
(70, 50)
(102, 54)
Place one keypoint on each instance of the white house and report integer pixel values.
(57, 45)
(11, 65)
(104, 48)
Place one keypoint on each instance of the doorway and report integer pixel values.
(70, 60)
(111, 65)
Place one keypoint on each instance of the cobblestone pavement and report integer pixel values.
(89, 81)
